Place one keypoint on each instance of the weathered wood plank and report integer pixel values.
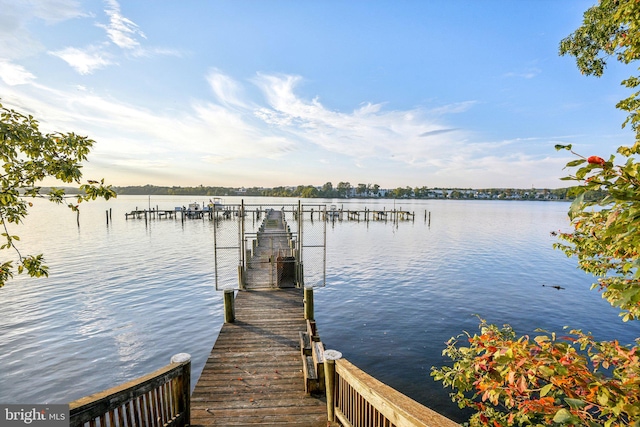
(254, 374)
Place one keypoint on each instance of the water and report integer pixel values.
(120, 300)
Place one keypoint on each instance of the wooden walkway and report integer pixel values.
(254, 374)
(271, 264)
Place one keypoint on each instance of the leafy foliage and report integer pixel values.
(28, 156)
(606, 237)
(574, 380)
(571, 380)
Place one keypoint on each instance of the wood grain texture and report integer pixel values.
(254, 374)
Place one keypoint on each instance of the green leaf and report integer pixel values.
(546, 371)
(545, 390)
(575, 403)
(559, 147)
(574, 163)
(576, 205)
(562, 416)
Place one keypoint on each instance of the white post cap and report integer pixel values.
(332, 355)
(180, 358)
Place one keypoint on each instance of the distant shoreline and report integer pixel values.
(348, 192)
(344, 192)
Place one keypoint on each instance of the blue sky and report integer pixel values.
(265, 93)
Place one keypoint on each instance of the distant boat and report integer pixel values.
(216, 204)
(333, 212)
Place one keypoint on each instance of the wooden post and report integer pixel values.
(330, 357)
(240, 277)
(107, 213)
(229, 309)
(308, 302)
(184, 404)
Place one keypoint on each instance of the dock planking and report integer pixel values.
(254, 372)
(271, 256)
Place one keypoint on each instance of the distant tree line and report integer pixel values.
(346, 190)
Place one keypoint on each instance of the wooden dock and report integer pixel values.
(254, 374)
(267, 367)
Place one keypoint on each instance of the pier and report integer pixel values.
(254, 374)
(178, 212)
(332, 214)
(268, 365)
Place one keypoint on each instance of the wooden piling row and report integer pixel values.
(366, 215)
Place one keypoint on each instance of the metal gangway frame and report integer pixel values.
(271, 246)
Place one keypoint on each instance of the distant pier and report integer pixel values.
(229, 211)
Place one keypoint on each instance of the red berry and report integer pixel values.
(596, 160)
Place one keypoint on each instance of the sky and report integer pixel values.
(265, 93)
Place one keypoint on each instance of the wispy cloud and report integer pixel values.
(123, 38)
(367, 132)
(437, 132)
(14, 74)
(53, 11)
(84, 61)
(529, 73)
(16, 40)
(230, 132)
(226, 90)
(122, 31)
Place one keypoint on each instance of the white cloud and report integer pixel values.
(367, 132)
(243, 138)
(52, 11)
(84, 61)
(121, 30)
(16, 41)
(14, 74)
(226, 90)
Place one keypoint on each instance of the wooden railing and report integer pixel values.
(359, 400)
(161, 398)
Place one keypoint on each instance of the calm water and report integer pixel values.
(120, 300)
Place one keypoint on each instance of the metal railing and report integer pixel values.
(161, 398)
(360, 400)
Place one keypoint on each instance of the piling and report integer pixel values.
(308, 302)
(229, 309)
